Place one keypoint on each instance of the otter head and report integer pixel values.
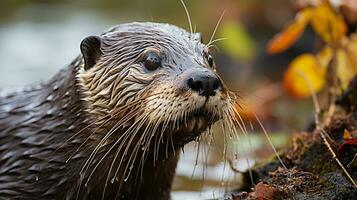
(155, 80)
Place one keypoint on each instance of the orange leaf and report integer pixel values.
(304, 72)
(291, 33)
(347, 135)
(328, 24)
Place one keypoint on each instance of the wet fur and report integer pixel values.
(105, 132)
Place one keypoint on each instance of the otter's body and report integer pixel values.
(34, 123)
(94, 130)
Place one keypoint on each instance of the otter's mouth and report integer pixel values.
(190, 126)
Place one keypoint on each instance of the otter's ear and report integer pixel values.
(90, 48)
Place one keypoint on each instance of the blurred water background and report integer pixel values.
(39, 37)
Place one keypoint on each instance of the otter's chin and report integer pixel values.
(192, 127)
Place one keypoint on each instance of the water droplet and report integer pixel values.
(112, 181)
(37, 178)
(86, 185)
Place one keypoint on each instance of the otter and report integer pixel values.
(112, 123)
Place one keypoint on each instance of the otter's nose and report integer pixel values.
(205, 83)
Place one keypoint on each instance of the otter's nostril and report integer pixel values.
(195, 85)
(217, 84)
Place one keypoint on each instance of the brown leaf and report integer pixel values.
(265, 192)
(349, 9)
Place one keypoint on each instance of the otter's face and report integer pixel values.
(164, 74)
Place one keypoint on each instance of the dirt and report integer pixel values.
(312, 172)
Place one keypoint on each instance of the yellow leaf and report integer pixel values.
(345, 69)
(351, 48)
(328, 24)
(324, 56)
(304, 72)
(291, 33)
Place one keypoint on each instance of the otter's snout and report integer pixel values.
(205, 83)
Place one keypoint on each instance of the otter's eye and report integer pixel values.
(210, 60)
(152, 61)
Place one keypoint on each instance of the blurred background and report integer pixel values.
(39, 37)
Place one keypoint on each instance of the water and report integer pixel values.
(31, 51)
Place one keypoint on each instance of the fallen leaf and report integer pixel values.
(352, 142)
(290, 33)
(266, 192)
(304, 72)
(347, 135)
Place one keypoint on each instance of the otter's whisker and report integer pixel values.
(91, 157)
(197, 144)
(117, 142)
(77, 133)
(115, 127)
(139, 123)
(134, 154)
(215, 40)
(83, 143)
(163, 129)
(126, 119)
(125, 177)
(97, 121)
(153, 132)
(234, 120)
(127, 147)
(216, 28)
(270, 142)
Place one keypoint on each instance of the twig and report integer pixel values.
(233, 168)
(321, 131)
(270, 142)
